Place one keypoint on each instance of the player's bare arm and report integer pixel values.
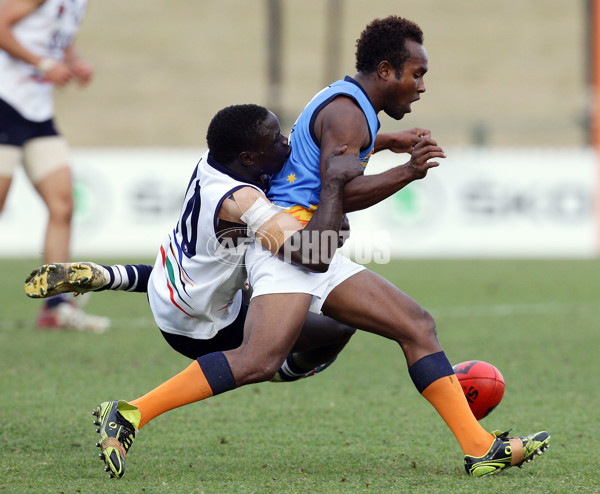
(365, 191)
(328, 220)
(272, 226)
(275, 230)
(11, 12)
(342, 122)
(400, 142)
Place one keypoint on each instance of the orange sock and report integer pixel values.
(447, 396)
(188, 386)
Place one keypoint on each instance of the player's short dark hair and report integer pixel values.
(235, 129)
(385, 39)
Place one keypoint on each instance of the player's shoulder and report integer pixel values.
(342, 121)
(239, 201)
(342, 111)
(245, 194)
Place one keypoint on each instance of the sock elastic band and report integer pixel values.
(217, 372)
(429, 369)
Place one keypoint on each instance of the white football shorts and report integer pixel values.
(268, 274)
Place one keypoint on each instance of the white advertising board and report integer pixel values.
(478, 203)
(126, 201)
(491, 203)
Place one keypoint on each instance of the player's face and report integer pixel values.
(406, 88)
(273, 148)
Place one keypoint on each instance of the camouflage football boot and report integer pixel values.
(499, 455)
(52, 279)
(117, 423)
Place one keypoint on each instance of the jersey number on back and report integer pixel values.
(191, 213)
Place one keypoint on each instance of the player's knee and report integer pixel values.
(422, 329)
(61, 209)
(260, 372)
(427, 325)
(249, 369)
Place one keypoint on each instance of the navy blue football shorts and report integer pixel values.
(228, 338)
(15, 130)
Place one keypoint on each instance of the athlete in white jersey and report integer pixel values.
(194, 275)
(195, 286)
(194, 289)
(36, 53)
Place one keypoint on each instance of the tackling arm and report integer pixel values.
(311, 247)
(281, 233)
(323, 229)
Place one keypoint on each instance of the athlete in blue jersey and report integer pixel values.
(391, 63)
(299, 181)
(298, 185)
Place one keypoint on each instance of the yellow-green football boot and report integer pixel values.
(499, 456)
(117, 423)
(52, 279)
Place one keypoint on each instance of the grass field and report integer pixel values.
(359, 427)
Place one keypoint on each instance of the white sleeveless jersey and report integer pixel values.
(195, 288)
(47, 32)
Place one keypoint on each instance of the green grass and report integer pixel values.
(359, 427)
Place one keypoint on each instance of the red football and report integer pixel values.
(482, 384)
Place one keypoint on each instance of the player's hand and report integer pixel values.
(82, 71)
(342, 168)
(402, 142)
(59, 74)
(423, 151)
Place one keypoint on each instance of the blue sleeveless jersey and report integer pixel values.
(299, 181)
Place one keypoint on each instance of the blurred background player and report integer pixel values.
(36, 53)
